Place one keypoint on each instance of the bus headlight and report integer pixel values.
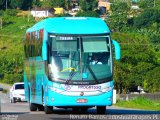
(107, 89)
(109, 99)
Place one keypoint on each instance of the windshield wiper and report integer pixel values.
(92, 73)
(71, 74)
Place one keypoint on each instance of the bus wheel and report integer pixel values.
(40, 108)
(48, 109)
(101, 109)
(32, 106)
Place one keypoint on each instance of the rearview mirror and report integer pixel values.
(117, 49)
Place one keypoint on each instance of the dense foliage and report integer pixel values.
(138, 33)
(88, 8)
(88, 5)
(11, 46)
(137, 61)
(140, 103)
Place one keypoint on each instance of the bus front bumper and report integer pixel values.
(55, 99)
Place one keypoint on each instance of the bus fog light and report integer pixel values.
(107, 89)
(110, 99)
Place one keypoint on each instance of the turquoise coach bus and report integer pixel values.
(68, 64)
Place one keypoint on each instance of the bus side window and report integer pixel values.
(50, 52)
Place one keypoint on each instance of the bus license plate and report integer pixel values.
(81, 100)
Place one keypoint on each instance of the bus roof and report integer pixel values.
(72, 25)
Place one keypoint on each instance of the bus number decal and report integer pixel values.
(89, 87)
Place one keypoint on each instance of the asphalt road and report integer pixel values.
(20, 111)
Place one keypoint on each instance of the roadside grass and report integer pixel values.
(5, 91)
(140, 103)
(12, 35)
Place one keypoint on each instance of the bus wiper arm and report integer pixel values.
(71, 74)
(92, 73)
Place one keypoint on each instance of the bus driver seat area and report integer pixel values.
(95, 60)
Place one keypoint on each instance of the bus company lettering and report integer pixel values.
(89, 87)
(55, 85)
(62, 87)
(67, 87)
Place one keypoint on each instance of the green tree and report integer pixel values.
(148, 18)
(46, 4)
(118, 18)
(16, 4)
(27, 4)
(36, 3)
(88, 5)
(11, 46)
(88, 8)
(148, 24)
(136, 61)
(87, 14)
(146, 4)
(22, 4)
(2, 4)
(67, 4)
(58, 3)
(151, 80)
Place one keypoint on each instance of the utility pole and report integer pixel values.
(29, 14)
(6, 4)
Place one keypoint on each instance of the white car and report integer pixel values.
(17, 92)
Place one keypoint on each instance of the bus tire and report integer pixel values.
(33, 107)
(48, 109)
(101, 109)
(40, 108)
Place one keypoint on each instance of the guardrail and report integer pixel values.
(152, 96)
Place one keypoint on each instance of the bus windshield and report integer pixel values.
(80, 60)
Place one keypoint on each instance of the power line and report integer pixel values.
(141, 44)
(6, 4)
(13, 36)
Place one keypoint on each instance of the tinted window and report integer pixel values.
(19, 86)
